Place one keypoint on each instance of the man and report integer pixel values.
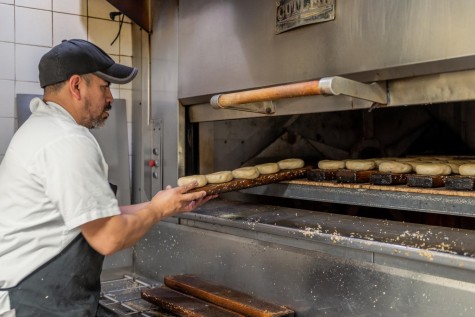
(59, 216)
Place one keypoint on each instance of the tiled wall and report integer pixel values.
(29, 28)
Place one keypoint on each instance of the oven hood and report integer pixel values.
(418, 52)
(139, 11)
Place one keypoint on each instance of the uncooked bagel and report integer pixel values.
(378, 161)
(200, 179)
(467, 169)
(433, 169)
(404, 159)
(331, 164)
(268, 168)
(360, 165)
(249, 172)
(291, 163)
(454, 167)
(395, 167)
(219, 177)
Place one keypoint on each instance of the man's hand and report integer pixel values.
(111, 234)
(172, 201)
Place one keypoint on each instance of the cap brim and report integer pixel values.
(118, 74)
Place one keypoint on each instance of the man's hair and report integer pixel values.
(55, 88)
(52, 89)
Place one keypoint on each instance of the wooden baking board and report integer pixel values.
(351, 176)
(319, 175)
(425, 181)
(459, 182)
(225, 297)
(387, 179)
(237, 184)
(184, 305)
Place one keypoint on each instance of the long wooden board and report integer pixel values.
(425, 181)
(231, 299)
(321, 175)
(237, 184)
(387, 179)
(184, 305)
(459, 182)
(350, 176)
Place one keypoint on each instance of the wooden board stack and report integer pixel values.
(188, 295)
(457, 173)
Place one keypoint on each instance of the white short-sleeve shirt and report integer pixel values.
(53, 179)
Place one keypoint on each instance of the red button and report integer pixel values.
(151, 163)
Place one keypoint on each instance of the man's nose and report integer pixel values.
(109, 96)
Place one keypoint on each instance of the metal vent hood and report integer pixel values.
(417, 51)
(139, 11)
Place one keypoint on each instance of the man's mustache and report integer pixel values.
(108, 107)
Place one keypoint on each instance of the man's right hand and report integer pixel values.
(172, 201)
(112, 234)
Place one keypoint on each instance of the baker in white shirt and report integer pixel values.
(59, 214)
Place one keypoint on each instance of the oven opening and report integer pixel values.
(418, 131)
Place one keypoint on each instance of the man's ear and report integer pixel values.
(73, 84)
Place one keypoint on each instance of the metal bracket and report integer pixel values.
(342, 86)
(264, 107)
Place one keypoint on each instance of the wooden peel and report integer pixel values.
(228, 298)
(184, 305)
(325, 86)
(237, 184)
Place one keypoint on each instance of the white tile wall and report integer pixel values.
(33, 27)
(126, 60)
(126, 40)
(7, 60)
(7, 14)
(78, 7)
(29, 28)
(27, 59)
(36, 4)
(27, 87)
(68, 26)
(100, 9)
(7, 98)
(102, 33)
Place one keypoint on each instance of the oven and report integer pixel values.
(239, 83)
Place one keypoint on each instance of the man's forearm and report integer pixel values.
(130, 209)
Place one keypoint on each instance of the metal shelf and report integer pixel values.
(422, 202)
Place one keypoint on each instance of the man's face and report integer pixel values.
(97, 102)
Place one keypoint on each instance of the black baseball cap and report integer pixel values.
(79, 57)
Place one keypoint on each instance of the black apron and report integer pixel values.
(67, 286)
